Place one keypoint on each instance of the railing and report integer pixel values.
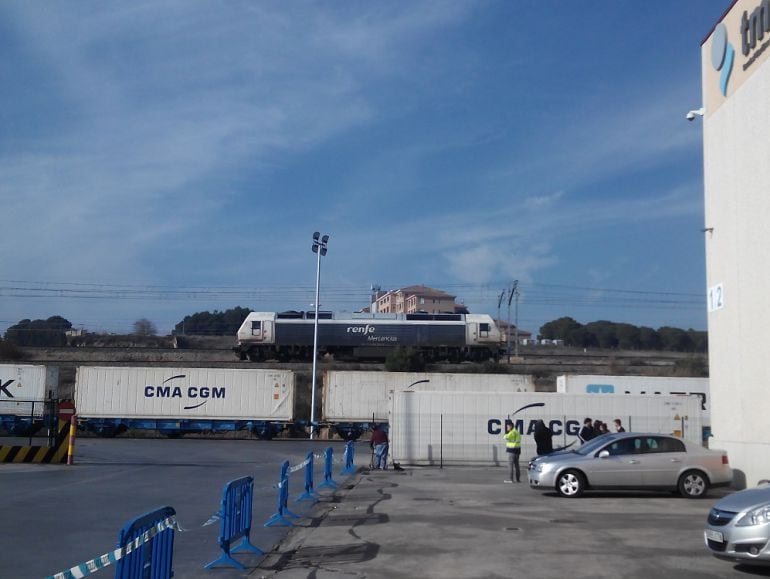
(145, 546)
(235, 522)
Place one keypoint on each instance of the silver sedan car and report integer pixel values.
(738, 527)
(631, 460)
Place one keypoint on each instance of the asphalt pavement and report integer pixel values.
(428, 522)
(466, 522)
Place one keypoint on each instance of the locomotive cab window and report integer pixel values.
(256, 328)
(484, 330)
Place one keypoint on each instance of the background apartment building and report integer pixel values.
(415, 298)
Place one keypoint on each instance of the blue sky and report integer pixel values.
(162, 158)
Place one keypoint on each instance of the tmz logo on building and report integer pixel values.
(195, 392)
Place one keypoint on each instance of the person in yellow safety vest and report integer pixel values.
(513, 448)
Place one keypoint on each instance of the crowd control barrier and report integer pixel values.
(329, 482)
(235, 522)
(145, 550)
(148, 544)
(350, 452)
(282, 511)
(310, 493)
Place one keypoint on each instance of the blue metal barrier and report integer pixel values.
(310, 494)
(235, 522)
(282, 511)
(350, 452)
(149, 546)
(329, 482)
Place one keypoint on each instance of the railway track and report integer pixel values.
(545, 363)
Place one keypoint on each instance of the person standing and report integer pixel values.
(513, 449)
(600, 428)
(543, 438)
(379, 443)
(587, 432)
(618, 425)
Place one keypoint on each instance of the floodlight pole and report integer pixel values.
(319, 248)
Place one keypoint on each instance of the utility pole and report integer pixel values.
(516, 318)
(514, 290)
(499, 303)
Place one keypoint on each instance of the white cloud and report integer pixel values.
(165, 121)
(541, 201)
(164, 97)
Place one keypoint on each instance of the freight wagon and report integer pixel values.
(602, 384)
(354, 401)
(176, 401)
(288, 336)
(25, 393)
(430, 428)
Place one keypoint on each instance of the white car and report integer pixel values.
(632, 460)
(738, 527)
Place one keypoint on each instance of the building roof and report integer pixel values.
(424, 291)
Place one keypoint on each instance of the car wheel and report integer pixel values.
(693, 484)
(570, 483)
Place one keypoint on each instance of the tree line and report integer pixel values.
(613, 335)
(601, 334)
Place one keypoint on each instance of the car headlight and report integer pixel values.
(758, 516)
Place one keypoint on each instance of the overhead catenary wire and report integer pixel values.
(534, 296)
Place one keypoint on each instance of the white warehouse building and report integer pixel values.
(736, 140)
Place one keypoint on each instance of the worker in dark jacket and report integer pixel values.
(587, 432)
(543, 438)
(379, 444)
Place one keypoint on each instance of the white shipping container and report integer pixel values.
(184, 393)
(365, 396)
(23, 385)
(604, 384)
(467, 427)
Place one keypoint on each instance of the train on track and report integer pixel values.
(290, 336)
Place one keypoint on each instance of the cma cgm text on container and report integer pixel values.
(176, 401)
(467, 427)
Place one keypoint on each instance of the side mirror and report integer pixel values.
(604, 454)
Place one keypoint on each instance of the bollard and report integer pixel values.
(350, 452)
(329, 482)
(148, 544)
(235, 522)
(71, 441)
(310, 494)
(279, 517)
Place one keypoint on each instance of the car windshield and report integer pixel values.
(595, 444)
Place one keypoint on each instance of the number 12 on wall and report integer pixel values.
(716, 297)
